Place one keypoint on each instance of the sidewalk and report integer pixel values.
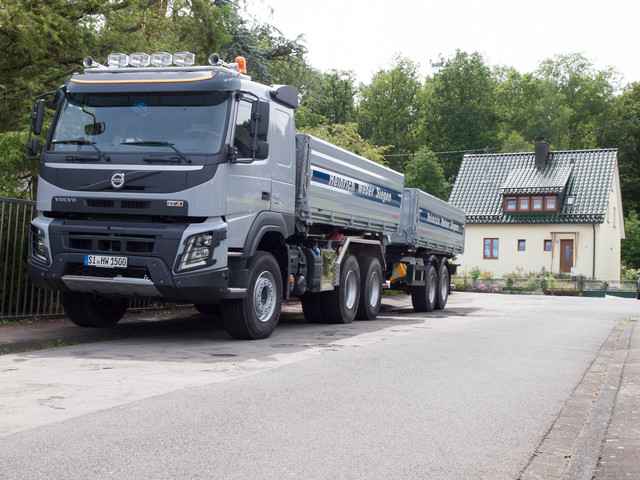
(59, 331)
(597, 434)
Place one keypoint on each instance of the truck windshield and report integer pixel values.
(131, 123)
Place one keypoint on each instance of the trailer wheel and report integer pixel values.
(340, 304)
(90, 310)
(312, 307)
(370, 288)
(424, 297)
(443, 288)
(257, 315)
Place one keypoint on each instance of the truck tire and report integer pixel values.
(256, 316)
(341, 304)
(312, 307)
(443, 288)
(370, 288)
(424, 297)
(90, 310)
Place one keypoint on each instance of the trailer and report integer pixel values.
(188, 183)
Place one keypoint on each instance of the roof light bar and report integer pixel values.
(118, 60)
(161, 59)
(139, 59)
(184, 59)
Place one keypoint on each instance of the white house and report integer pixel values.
(554, 211)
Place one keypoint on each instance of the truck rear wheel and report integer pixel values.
(91, 310)
(443, 288)
(340, 304)
(257, 315)
(370, 288)
(424, 297)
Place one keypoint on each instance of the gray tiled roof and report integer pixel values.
(484, 179)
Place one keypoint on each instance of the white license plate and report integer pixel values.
(105, 261)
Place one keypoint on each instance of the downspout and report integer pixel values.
(593, 275)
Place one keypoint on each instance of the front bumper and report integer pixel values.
(144, 277)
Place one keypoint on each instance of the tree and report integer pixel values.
(424, 172)
(346, 136)
(626, 137)
(388, 108)
(459, 108)
(576, 102)
(630, 247)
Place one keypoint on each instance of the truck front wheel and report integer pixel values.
(256, 316)
(370, 288)
(90, 310)
(341, 303)
(424, 297)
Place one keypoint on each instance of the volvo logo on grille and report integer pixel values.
(117, 180)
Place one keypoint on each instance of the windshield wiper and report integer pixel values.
(157, 143)
(82, 141)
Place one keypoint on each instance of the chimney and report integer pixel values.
(542, 152)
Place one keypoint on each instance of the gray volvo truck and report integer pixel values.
(189, 184)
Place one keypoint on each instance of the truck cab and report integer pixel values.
(160, 181)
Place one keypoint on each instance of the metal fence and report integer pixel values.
(20, 298)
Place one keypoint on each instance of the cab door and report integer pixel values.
(248, 182)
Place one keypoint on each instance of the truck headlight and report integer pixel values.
(198, 251)
(37, 243)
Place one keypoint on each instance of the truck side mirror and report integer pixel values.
(259, 119)
(33, 147)
(37, 117)
(261, 150)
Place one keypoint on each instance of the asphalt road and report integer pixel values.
(467, 393)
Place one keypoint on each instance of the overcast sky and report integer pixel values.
(365, 35)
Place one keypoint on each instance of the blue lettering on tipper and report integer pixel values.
(359, 188)
(439, 221)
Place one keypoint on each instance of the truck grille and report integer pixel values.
(89, 243)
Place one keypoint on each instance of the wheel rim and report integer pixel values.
(264, 298)
(350, 290)
(444, 287)
(433, 289)
(374, 290)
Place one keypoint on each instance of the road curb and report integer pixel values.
(572, 447)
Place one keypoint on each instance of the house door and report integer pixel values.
(566, 256)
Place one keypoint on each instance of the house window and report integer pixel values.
(550, 204)
(491, 248)
(523, 204)
(522, 245)
(547, 245)
(536, 203)
(510, 204)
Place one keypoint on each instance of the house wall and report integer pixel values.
(610, 233)
(534, 258)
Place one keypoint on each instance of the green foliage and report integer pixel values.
(630, 246)
(459, 108)
(424, 172)
(329, 98)
(346, 136)
(388, 109)
(16, 181)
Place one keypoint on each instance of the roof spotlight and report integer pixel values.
(161, 59)
(139, 59)
(118, 60)
(184, 59)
